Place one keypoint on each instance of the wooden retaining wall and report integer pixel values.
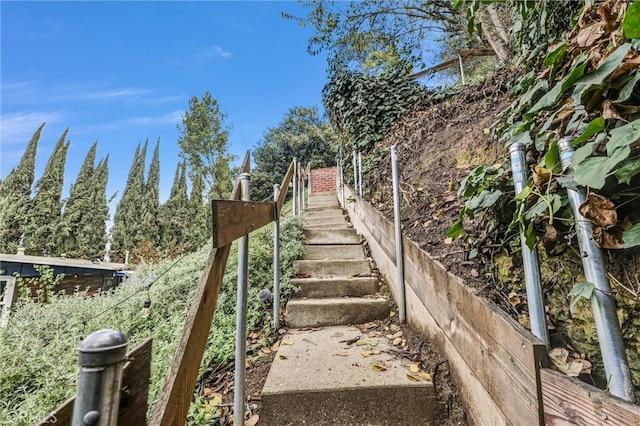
(496, 362)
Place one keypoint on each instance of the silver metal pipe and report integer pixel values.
(301, 189)
(398, 229)
(461, 69)
(360, 174)
(241, 313)
(603, 304)
(535, 298)
(295, 185)
(276, 262)
(355, 172)
(102, 358)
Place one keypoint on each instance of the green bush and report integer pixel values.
(38, 347)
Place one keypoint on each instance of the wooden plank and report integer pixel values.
(134, 397)
(284, 188)
(501, 353)
(568, 401)
(234, 219)
(177, 392)
(134, 394)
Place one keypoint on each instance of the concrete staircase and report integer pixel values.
(329, 372)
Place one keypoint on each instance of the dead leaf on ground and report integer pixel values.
(379, 367)
(514, 299)
(253, 420)
(288, 342)
(282, 356)
(397, 341)
(412, 378)
(560, 359)
(366, 353)
(341, 353)
(425, 376)
(265, 350)
(599, 210)
(414, 368)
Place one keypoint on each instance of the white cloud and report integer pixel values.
(17, 128)
(213, 53)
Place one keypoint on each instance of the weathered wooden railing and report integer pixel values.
(232, 219)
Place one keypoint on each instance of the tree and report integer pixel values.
(204, 143)
(301, 134)
(125, 234)
(46, 207)
(150, 224)
(199, 213)
(15, 197)
(95, 238)
(174, 214)
(384, 35)
(77, 210)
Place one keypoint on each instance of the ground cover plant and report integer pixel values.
(38, 348)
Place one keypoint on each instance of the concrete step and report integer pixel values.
(323, 252)
(325, 214)
(310, 384)
(333, 268)
(335, 311)
(335, 287)
(320, 227)
(327, 222)
(326, 207)
(332, 236)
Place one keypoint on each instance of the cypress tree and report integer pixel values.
(15, 197)
(77, 210)
(197, 213)
(44, 216)
(174, 214)
(151, 201)
(125, 234)
(93, 240)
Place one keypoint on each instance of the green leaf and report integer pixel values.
(581, 291)
(595, 126)
(530, 236)
(486, 198)
(627, 89)
(556, 55)
(631, 23)
(623, 136)
(455, 230)
(552, 96)
(628, 169)
(583, 153)
(631, 236)
(598, 76)
(552, 158)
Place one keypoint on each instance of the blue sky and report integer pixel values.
(122, 72)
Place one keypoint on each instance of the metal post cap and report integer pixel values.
(244, 176)
(104, 347)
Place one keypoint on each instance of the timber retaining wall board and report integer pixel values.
(494, 358)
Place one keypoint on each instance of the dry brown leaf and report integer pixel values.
(514, 299)
(412, 378)
(265, 350)
(375, 352)
(288, 342)
(282, 356)
(253, 420)
(275, 346)
(609, 111)
(541, 175)
(366, 353)
(559, 358)
(588, 36)
(379, 367)
(599, 210)
(608, 238)
(425, 376)
(397, 341)
(414, 368)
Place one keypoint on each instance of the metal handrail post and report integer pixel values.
(241, 313)
(535, 299)
(276, 261)
(102, 358)
(602, 302)
(398, 229)
(360, 173)
(294, 180)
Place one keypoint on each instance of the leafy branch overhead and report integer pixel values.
(583, 86)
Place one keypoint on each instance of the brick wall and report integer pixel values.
(323, 180)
